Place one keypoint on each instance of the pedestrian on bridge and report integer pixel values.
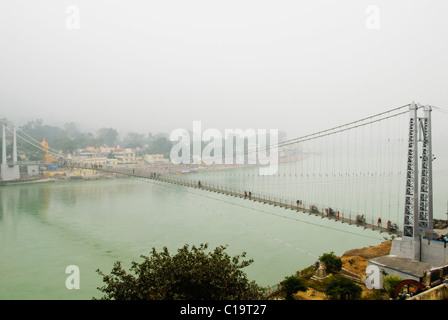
(245, 194)
(379, 222)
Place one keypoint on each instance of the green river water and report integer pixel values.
(91, 224)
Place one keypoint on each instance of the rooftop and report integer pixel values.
(405, 265)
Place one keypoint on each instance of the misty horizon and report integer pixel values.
(154, 67)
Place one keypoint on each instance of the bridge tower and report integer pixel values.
(410, 224)
(9, 171)
(418, 215)
(425, 215)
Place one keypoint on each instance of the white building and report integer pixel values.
(155, 158)
(126, 156)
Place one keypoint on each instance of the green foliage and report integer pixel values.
(390, 283)
(331, 262)
(69, 138)
(72, 130)
(134, 140)
(57, 138)
(160, 146)
(84, 140)
(190, 274)
(341, 288)
(292, 285)
(108, 136)
(306, 273)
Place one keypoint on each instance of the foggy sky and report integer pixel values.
(154, 66)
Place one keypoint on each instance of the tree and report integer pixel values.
(87, 140)
(390, 283)
(134, 140)
(190, 274)
(331, 262)
(56, 138)
(342, 288)
(160, 146)
(72, 130)
(108, 136)
(292, 285)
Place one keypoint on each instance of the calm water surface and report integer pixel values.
(91, 224)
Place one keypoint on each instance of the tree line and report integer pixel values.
(69, 138)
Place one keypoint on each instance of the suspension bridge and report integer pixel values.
(365, 172)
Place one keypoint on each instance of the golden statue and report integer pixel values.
(48, 158)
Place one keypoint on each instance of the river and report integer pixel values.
(44, 228)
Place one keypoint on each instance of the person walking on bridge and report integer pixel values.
(379, 222)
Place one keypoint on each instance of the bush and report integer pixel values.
(190, 274)
(342, 288)
(292, 285)
(390, 283)
(331, 262)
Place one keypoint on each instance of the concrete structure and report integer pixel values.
(9, 170)
(30, 168)
(431, 251)
(155, 158)
(399, 266)
(320, 273)
(91, 162)
(126, 156)
(407, 248)
(437, 293)
(434, 252)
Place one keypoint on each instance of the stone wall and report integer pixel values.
(434, 252)
(406, 248)
(437, 293)
(8, 173)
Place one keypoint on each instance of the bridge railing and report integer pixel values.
(168, 174)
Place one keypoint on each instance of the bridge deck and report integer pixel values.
(152, 176)
(284, 205)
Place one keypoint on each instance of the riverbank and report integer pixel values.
(26, 181)
(58, 177)
(354, 264)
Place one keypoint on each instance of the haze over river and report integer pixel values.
(91, 224)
